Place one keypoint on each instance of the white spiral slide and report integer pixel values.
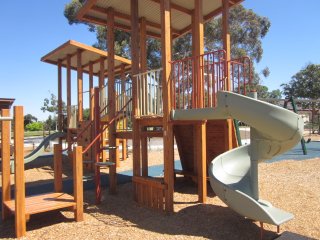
(234, 174)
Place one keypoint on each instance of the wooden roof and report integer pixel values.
(89, 54)
(5, 103)
(94, 11)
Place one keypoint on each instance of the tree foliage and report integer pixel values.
(51, 105)
(34, 126)
(304, 84)
(29, 118)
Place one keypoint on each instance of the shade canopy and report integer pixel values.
(5, 103)
(88, 55)
(95, 11)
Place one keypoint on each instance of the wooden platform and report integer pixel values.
(44, 203)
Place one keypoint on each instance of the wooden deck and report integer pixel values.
(44, 203)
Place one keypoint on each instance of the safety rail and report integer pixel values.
(194, 75)
(149, 89)
(205, 75)
(241, 75)
(106, 125)
(124, 111)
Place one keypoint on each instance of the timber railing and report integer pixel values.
(241, 75)
(194, 75)
(149, 89)
(205, 75)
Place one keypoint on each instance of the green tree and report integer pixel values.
(34, 126)
(305, 85)
(29, 119)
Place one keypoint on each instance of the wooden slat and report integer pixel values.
(20, 216)
(44, 203)
(144, 156)
(124, 134)
(78, 184)
(5, 163)
(151, 121)
(57, 164)
(155, 183)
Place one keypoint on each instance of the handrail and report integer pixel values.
(6, 118)
(150, 71)
(107, 125)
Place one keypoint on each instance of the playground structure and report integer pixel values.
(190, 83)
(144, 106)
(23, 207)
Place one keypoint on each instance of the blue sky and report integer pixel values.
(30, 29)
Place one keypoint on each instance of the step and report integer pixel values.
(44, 203)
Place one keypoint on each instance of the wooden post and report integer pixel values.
(60, 116)
(20, 215)
(198, 48)
(57, 165)
(135, 70)
(80, 85)
(124, 99)
(96, 149)
(102, 100)
(167, 127)
(199, 129)
(78, 184)
(111, 100)
(69, 89)
(69, 140)
(5, 163)
(227, 48)
(91, 91)
(202, 162)
(144, 86)
(226, 40)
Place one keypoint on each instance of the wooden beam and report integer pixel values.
(177, 7)
(143, 66)
(60, 116)
(57, 166)
(20, 215)
(69, 102)
(135, 70)
(226, 41)
(78, 182)
(127, 18)
(80, 85)
(111, 100)
(198, 47)
(125, 122)
(91, 91)
(200, 136)
(88, 5)
(5, 163)
(165, 13)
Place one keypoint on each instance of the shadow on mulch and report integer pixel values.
(37, 221)
(198, 220)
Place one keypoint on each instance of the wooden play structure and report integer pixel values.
(182, 84)
(22, 206)
(110, 105)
